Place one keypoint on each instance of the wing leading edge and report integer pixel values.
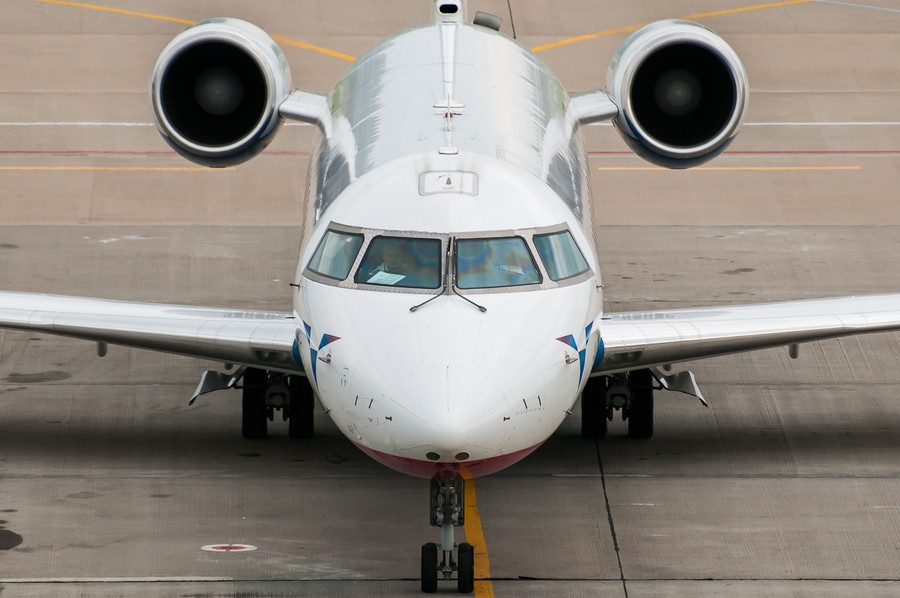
(643, 339)
(250, 338)
(630, 340)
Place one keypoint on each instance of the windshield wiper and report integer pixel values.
(430, 299)
(481, 308)
(449, 272)
(443, 289)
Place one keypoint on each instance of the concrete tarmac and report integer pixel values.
(110, 484)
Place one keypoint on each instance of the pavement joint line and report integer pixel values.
(609, 516)
(512, 23)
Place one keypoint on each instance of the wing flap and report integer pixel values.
(250, 338)
(632, 340)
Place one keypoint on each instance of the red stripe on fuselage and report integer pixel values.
(429, 469)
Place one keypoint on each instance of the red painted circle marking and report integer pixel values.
(228, 547)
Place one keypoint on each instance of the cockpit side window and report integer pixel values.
(401, 262)
(492, 263)
(560, 255)
(335, 254)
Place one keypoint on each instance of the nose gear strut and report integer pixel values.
(447, 510)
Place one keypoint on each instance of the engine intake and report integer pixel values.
(681, 93)
(216, 89)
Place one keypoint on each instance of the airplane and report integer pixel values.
(448, 304)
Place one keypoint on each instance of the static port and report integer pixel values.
(432, 456)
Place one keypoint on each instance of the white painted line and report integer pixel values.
(35, 580)
(103, 124)
(826, 124)
(226, 547)
(889, 123)
(75, 124)
(851, 5)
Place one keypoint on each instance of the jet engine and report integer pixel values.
(681, 92)
(216, 89)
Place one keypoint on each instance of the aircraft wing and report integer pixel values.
(249, 338)
(644, 339)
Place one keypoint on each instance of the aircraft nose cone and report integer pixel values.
(460, 411)
(448, 389)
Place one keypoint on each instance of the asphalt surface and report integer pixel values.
(110, 484)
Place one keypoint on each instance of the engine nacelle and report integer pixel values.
(681, 93)
(215, 91)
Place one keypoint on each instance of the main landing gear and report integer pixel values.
(447, 508)
(632, 393)
(268, 392)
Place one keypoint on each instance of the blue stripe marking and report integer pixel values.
(598, 359)
(295, 351)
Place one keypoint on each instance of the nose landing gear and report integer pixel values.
(447, 511)
(631, 393)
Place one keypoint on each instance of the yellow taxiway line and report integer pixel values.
(117, 10)
(693, 17)
(475, 536)
(278, 38)
(307, 46)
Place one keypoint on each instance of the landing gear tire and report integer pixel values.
(447, 510)
(254, 417)
(301, 423)
(429, 568)
(593, 408)
(640, 414)
(466, 572)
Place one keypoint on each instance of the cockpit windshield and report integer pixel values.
(560, 255)
(401, 262)
(492, 263)
(335, 254)
(419, 262)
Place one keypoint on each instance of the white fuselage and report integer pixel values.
(448, 385)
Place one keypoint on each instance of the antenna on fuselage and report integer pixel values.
(448, 149)
(449, 14)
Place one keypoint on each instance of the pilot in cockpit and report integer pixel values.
(401, 263)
